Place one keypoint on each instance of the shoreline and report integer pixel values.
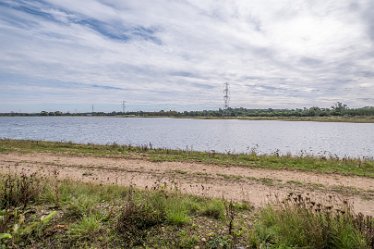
(306, 163)
(332, 119)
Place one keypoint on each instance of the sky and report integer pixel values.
(177, 54)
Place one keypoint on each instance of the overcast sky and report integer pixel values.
(163, 54)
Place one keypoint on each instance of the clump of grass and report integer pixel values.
(177, 212)
(143, 211)
(299, 222)
(214, 208)
(136, 218)
(80, 206)
(243, 205)
(87, 227)
(19, 191)
(365, 224)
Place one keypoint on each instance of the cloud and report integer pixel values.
(178, 54)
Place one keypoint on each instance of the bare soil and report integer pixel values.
(258, 186)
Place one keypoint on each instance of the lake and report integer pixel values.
(296, 137)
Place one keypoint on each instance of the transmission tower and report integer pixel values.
(123, 106)
(92, 108)
(226, 96)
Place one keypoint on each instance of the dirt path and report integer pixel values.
(237, 183)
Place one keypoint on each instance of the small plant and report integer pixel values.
(52, 190)
(219, 242)
(15, 229)
(19, 190)
(187, 241)
(35, 228)
(230, 214)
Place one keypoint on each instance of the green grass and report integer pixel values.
(101, 216)
(299, 224)
(345, 166)
(81, 206)
(86, 228)
(214, 208)
(69, 214)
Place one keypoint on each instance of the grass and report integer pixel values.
(345, 166)
(87, 227)
(19, 191)
(214, 209)
(69, 214)
(299, 222)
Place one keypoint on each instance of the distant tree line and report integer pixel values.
(339, 109)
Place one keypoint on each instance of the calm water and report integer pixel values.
(342, 139)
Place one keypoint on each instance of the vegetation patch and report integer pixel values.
(300, 222)
(67, 214)
(302, 162)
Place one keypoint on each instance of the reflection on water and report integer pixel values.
(317, 138)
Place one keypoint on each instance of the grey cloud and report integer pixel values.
(366, 99)
(368, 16)
(203, 86)
(181, 50)
(310, 61)
(115, 31)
